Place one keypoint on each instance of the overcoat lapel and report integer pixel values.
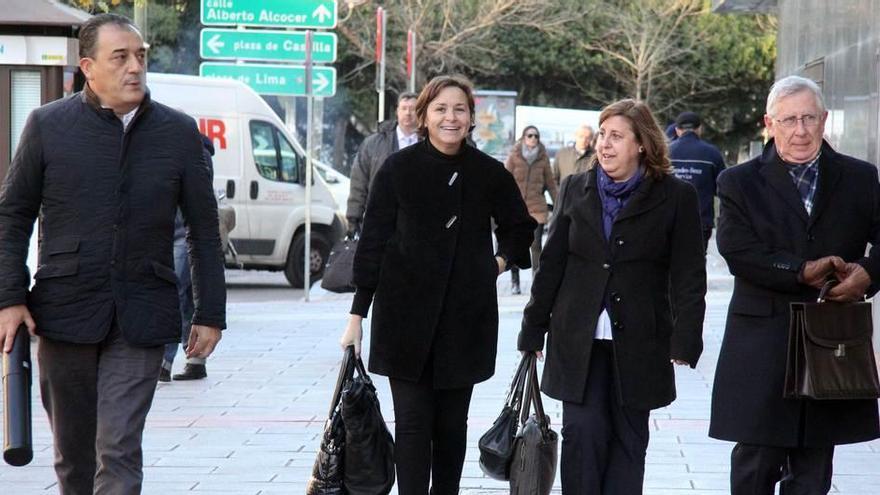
(780, 180)
(646, 197)
(590, 206)
(829, 175)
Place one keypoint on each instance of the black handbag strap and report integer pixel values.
(346, 373)
(533, 395)
(515, 395)
(359, 366)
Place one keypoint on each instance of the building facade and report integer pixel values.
(834, 43)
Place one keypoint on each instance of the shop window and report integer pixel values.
(25, 89)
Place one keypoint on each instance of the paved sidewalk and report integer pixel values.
(252, 427)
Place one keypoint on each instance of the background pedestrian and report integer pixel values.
(698, 162)
(576, 158)
(530, 166)
(391, 136)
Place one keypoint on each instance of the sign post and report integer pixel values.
(411, 59)
(310, 102)
(380, 60)
(281, 78)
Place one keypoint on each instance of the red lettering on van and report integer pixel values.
(215, 130)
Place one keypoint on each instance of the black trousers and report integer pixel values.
(430, 435)
(97, 397)
(707, 234)
(755, 470)
(535, 249)
(603, 443)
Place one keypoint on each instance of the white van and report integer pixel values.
(260, 168)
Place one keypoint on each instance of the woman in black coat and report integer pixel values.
(620, 293)
(426, 264)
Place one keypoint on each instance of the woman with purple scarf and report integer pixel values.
(620, 296)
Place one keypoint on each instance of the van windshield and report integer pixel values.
(274, 156)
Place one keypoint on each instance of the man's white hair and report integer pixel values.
(790, 85)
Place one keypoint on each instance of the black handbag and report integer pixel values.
(496, 445)
(830, 355)
(327, 472)
(338, 270)
(535, 455)
(369, 447)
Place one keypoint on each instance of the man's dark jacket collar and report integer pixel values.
(773, 170)
(90, 99)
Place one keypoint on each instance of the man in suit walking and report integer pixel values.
(791, 218)
(391, 136)
(106, 170)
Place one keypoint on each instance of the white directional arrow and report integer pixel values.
(215, 44)
(322, 12)
(320, 81)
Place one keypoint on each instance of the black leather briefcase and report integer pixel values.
(830, 355)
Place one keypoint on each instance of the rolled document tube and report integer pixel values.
(18, 448)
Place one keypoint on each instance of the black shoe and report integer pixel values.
(164, 375)
(192, 372)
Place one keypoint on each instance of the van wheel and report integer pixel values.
(318, 255)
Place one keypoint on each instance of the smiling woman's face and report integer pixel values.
(448, 120)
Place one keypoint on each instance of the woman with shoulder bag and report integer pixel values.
(620, 295)
(530, 166)
(425, 263)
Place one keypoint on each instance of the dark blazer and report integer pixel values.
(655, 258)
(426, 253)
(765, 235)
(107, 200)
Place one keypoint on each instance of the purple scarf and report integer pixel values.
(615, 195)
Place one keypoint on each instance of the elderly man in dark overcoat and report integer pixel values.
(790, 218)
(106, 170)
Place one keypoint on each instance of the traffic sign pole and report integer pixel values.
(411, 59)
(310, 102)
(380, 60)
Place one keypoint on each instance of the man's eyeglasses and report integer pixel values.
(531, 135)
(792, 121)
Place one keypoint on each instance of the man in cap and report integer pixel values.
(699, 163)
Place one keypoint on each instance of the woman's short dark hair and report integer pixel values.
(88, 32)
(648, 134)
(433, 89)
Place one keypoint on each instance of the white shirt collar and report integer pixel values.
(126, 119)
(404, 140)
